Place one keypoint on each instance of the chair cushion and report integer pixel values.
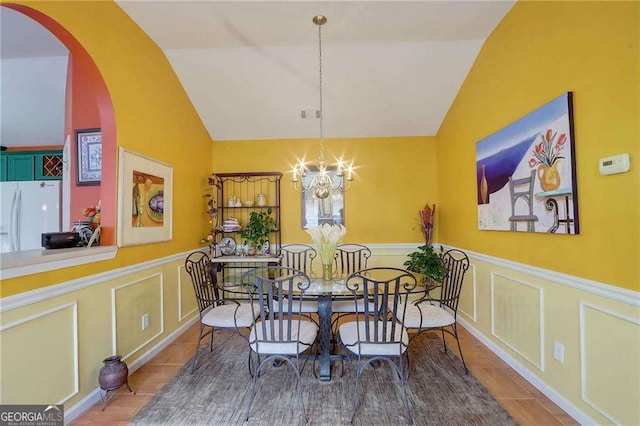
(432, 316)
(299, 343)
(348, 306)
(223, 316)
(308, 306)
(349, 336)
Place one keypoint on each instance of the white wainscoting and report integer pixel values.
(474, 295)
(184, 287)
(598, 386)
(515, 323)
(114, 315)
(46, 356)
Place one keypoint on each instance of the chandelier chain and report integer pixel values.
(320, 79)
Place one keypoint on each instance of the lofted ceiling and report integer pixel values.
(390, 68)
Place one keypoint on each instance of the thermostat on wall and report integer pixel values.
(615, 164)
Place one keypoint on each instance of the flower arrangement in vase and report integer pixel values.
(546, 154)
(89, 230)
(93, 214)
(326, 238)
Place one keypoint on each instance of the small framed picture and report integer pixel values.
(89, 157)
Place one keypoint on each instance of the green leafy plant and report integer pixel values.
(427, 262)
(260, 226)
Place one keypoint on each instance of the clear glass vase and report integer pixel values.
(327, 272)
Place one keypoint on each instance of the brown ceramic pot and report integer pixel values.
(113, 374)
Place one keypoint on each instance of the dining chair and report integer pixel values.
(300, 257)
(378, 334)
(440, 313)
(277, 338)
(349, 258)
(215, 312)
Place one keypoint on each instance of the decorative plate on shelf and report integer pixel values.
(227, 246)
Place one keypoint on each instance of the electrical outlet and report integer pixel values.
(145, 321)
(558, 351)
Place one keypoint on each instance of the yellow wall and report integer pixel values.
(394, 178)
(153, 116)
(539, 51)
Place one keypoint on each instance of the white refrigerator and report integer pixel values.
(29, 209)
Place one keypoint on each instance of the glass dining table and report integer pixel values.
(324, 292)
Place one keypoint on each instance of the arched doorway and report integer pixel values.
(83, 71)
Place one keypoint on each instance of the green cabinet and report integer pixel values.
(3, 168)
(31, 165)
(20, 167)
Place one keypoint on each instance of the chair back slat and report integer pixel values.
(273, 298)
(456, 264)
(385, 288)
(200, 269)
(350, 258)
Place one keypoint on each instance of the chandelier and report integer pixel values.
(325, 181)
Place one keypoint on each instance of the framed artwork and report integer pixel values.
(88, 157)
(526, 173)
(145, 197)
(317, 211)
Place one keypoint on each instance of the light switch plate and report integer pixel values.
(558, 351)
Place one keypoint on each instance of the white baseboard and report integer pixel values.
(557, 398)
(93, 397)
(81, 406)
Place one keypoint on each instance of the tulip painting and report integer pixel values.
(526, 177)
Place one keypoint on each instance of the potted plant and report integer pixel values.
(426, 262)
(258, 229)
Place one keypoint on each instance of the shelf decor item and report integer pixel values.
(89, 157)
(145, 197)
(325, 239)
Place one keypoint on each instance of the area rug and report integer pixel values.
(217, 392)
